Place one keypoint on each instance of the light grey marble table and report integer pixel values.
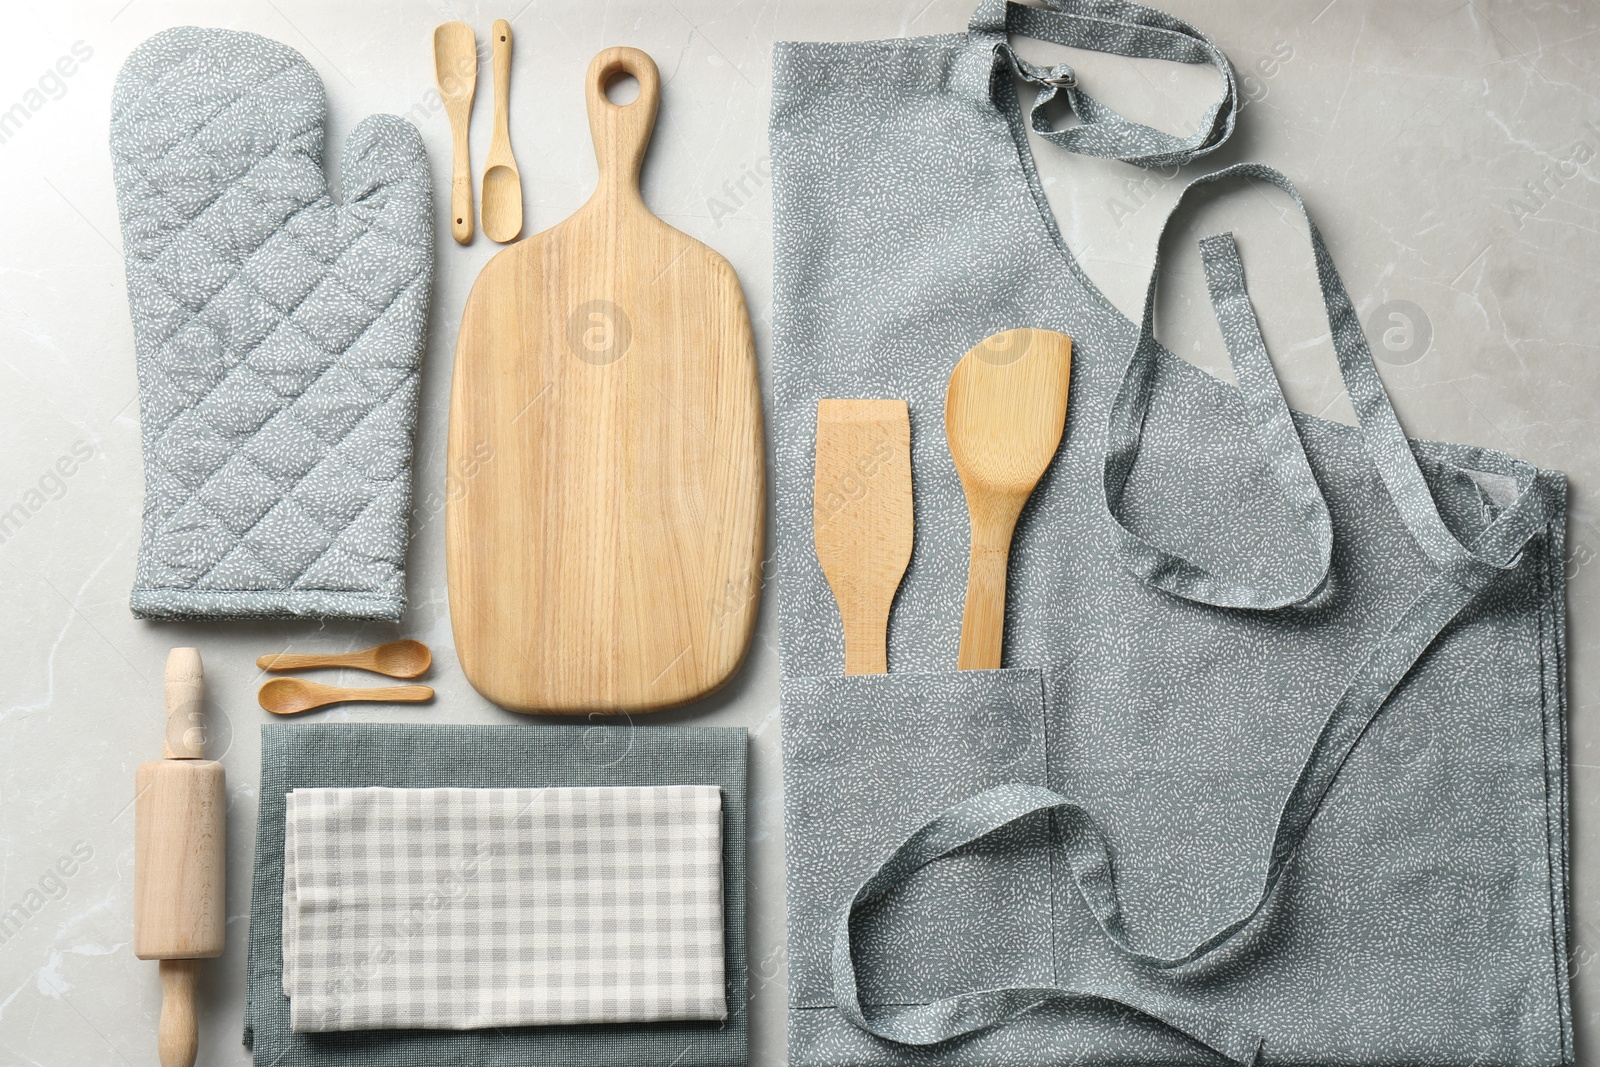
(1450, 151)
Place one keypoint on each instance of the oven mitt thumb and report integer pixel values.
(279, 333)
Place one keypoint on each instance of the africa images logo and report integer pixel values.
(599, 332)
(51, 85)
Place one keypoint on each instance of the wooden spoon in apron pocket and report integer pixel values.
(1004, 411)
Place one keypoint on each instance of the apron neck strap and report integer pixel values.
(1495, 549)
(1120, 28)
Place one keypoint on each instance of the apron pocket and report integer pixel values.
(866, 760)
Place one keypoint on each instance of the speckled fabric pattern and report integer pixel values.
(279, 333)
(1275, 767)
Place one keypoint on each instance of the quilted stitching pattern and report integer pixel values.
(279, 333)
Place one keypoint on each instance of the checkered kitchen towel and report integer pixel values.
(459, 909)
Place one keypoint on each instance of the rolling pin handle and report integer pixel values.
(179, 1038)
(186, 716)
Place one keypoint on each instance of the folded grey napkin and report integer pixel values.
(458, 909)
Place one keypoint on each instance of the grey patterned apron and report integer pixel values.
(1275, 767)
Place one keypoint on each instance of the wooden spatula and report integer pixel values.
(455, 71)
(862, 518)
(605, 481)
(1004, 411)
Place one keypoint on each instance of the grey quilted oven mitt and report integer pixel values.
(279, 333)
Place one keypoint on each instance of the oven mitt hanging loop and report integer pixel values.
(279, 333)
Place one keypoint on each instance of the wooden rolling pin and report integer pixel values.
(180, 836)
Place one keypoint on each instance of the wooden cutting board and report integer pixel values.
(605, 493)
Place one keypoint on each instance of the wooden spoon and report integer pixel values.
(502, 182)
(290, 696)
(455, 71)
(861, 518)
(1004, 411)
(398, 659)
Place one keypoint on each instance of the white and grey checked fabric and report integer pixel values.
(457, 909)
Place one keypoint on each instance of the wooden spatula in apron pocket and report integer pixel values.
(862, 518)
(606, 486)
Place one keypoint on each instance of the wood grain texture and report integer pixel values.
(180, 832)
(184, 680)
(178, 1036)
(291, 696)
(404, 658)
(180, 825)
(455, 72)
(861, 510)
(1004, 412)
(502, 182)
(605, 482)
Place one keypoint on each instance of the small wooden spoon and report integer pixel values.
(398, 659)
(502, 182)
(290, 696)
(455, 71)
(1004, 412)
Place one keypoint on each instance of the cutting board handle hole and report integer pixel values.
(621, 88)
